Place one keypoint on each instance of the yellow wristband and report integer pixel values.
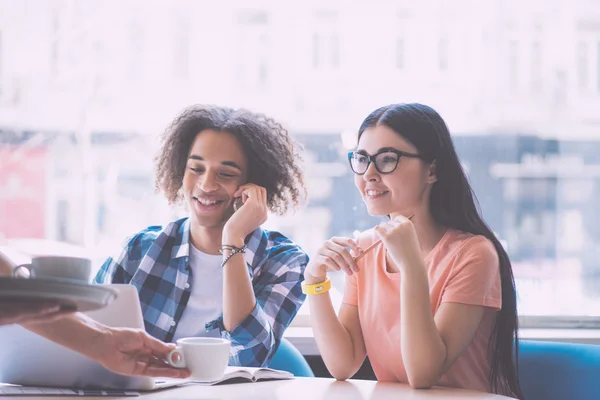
(316, 288)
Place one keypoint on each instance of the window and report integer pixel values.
(582, 66)
(54, 45)
(326, 45)
(335, 51)
(399, 53)
(536, 67)
(252, 49)
(181, 47)
(136, 44)
(560, 88)
(62, 218)
(443, 54)
(598, 66)
(537, 186)
(316, 47)
(513, 65)
(402, 28)
(1, 65)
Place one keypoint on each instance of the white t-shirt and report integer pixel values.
(206, 298)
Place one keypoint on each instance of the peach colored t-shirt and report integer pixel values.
(462, 268)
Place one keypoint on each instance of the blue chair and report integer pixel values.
(559, 371)
(288, 358)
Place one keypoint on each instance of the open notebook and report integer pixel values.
(246, 374)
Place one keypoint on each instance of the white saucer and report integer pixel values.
(71, 294)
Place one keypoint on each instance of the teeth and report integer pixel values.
(207, 202)
(374, 192)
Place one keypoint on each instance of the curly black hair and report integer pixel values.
(273, 156)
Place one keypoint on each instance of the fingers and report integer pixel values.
(244, 189)
(402, 218)
(158, 362)
(252, 191)
(385, 228)
(258, 193)
(336, 258)
(261, 194)
(239, 191)
(347, 242)
(237, 203)
(338, 266)
(153, 367)
(381, 231)
(330, 263)
(342, 256)
(157, 347)
(246, 195)
(166, 372)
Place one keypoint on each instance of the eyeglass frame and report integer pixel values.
(370, 159)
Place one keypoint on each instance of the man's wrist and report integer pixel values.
(232, 240)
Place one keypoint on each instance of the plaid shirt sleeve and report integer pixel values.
(120, 268)
(278, 299)
(112, 271)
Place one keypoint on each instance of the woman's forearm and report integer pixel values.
(423, 350)
(333, 339)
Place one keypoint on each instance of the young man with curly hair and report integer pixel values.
(216, 272)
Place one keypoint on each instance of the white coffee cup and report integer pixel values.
(205, 358)
(56, 267)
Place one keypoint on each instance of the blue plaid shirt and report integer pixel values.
(156, 262)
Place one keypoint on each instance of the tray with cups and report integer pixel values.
(65, 280)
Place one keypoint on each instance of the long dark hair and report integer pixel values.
(453, 205)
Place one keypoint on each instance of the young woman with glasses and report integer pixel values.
(434, 302)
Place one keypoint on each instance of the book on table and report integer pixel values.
(247, 374)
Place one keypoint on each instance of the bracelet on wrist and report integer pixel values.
(233, 251)
(317, 288)
(232, 248)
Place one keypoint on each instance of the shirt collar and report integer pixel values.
(182, 240)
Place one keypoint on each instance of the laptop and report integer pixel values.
(31, 360)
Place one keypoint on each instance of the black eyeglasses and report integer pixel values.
(385, 161)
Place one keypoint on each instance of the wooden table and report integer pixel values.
(301, 389)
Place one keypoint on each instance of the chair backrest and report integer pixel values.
(288, 358)
(558, 371)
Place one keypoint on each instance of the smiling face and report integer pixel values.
(402, 191)
(215, 168)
